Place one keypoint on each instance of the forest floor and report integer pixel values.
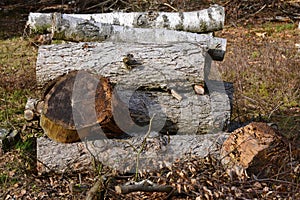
(262, 61)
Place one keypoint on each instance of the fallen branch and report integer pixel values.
(143, 186)
(93, 192)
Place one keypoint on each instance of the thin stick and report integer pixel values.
(125, 189)
(94, 190)
(142, 148)
(175, 9)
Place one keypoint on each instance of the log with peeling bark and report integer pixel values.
(257, 149)
(149, 79)
(71, 28)
(157, 152)
(202, 21)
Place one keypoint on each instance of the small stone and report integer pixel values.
(3, 133)
(8, 139)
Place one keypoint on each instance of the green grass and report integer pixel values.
(265, 73)
(3, 178)
(17, 80)
(271, 28)
(12, 107)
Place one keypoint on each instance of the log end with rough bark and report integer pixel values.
(254, 149)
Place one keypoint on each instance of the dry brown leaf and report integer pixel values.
(208, 193)
(178, 186)
(23, 192)
(193, 181)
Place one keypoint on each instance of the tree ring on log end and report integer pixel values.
(75, 103)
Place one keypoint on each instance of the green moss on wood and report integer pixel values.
(42, 29)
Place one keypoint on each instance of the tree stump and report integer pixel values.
(256, 149)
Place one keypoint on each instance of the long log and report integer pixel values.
(159, 80)
(203, 21)
(71, 28)
(122, 155)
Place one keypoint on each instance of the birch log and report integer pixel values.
(161, 81)
(73, 28)
(202, 21)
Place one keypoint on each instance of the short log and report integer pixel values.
(143, 186)
(73, 106)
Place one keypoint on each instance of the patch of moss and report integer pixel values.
(255, 54)
(43, 29)
(203, 26)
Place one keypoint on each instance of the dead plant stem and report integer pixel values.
(142, 148)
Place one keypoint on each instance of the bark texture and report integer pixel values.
(207, 20)
(156, 79)
(123, 155)
(256, 149)
(74, 28)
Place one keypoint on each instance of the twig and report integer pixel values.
(127, 142)
(272, 180)
(99, 4)
(142, 148)
(276, 108)
(175, 9)
(253, 14)
(91, 154)
(94, 190)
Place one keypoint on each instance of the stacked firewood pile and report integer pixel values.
(132, 77)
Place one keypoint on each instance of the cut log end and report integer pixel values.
(256, 148)
(58, 132)
(74, 104)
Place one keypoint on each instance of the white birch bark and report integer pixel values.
(70, 28)
(202, 21)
